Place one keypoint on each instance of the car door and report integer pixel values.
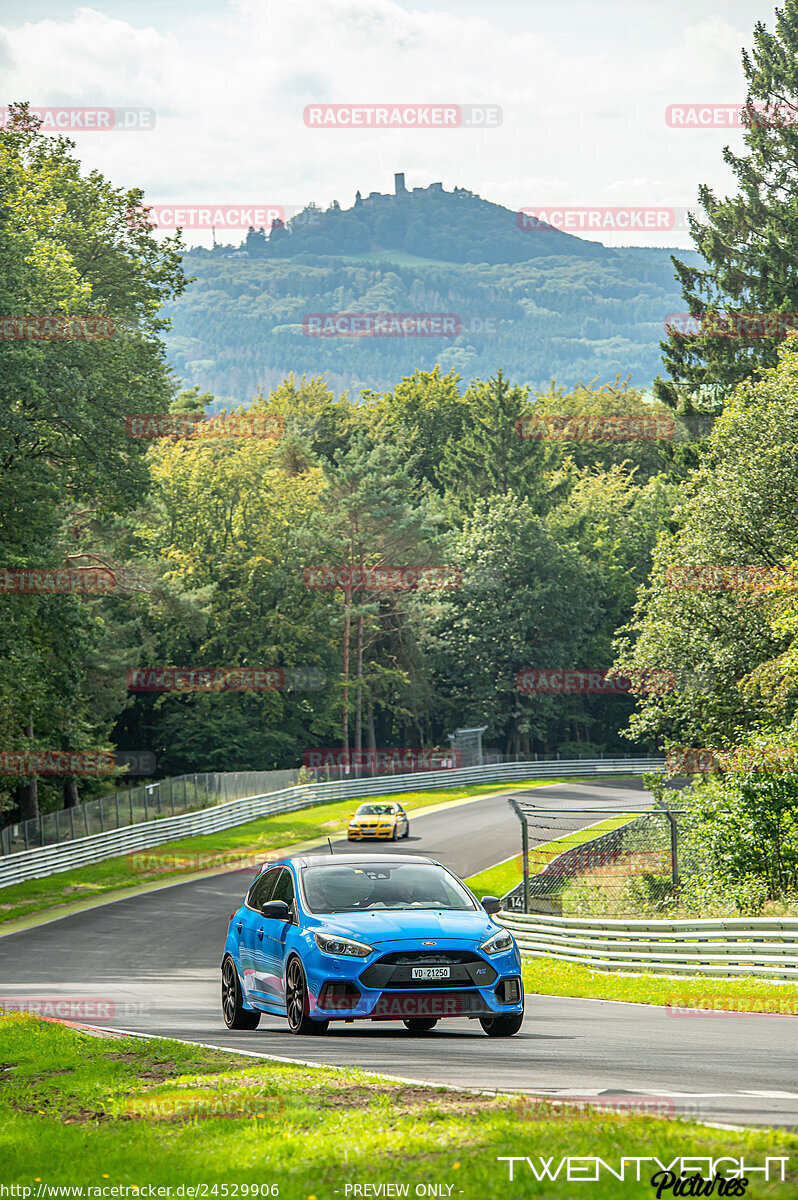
(251, 922)
(273, 940)
(402, 824)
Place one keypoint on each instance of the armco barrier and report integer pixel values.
(724, 947)
(50, 860)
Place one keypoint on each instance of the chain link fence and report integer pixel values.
(614, 865)
(169, 797)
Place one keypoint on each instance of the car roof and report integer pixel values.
(349, 860)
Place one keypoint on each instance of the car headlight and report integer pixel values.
(329, 944)
(499, 943)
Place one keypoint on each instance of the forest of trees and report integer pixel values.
(583, 315)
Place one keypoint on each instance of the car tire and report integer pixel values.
(233, 1011)
(420, 1024)
(502, 1026)
(393, 834)
(297, 1002)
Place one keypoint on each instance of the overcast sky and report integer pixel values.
(583, 87)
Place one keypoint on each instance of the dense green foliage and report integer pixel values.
(576, 315)
(747, 243)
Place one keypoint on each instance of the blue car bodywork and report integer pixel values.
(416, 963)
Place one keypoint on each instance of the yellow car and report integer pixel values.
(378, 820)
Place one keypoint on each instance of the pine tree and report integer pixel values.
(749, 243)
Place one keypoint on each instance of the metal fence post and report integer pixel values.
(86, 819)
(102, 819)
(172, 793)
(524, 849)
(72, 822)
(674, 844)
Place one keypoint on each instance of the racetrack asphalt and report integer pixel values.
(150, 964)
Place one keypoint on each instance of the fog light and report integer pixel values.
(508, 991)
(344, 996)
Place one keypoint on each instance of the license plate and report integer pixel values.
(430, 972)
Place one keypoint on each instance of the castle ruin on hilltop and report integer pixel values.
(400, 191)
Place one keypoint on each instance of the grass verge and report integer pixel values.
(552, 977)
(76, 1110)
(228, 847)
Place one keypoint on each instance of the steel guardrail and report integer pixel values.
(42, 861)
(720, 947)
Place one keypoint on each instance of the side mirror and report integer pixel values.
(491, 904)
(277, 910)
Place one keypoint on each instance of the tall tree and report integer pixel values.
(749, 243)
(68, 252)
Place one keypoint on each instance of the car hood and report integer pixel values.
(379, 927)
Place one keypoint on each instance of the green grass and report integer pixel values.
(92, 1112)
(228, 847)
(499, 880)
(553, 977)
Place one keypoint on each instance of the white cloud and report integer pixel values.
(583, 121)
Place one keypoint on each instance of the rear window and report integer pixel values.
(374, 887)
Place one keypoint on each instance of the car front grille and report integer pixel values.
(394, 972)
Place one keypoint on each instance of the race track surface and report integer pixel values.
(150, 964)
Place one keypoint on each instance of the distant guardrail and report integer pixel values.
(40, 861)
(724, 947)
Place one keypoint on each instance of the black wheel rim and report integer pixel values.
(228, 992)
(295, 995)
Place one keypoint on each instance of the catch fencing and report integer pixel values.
(37, 862)
(573, 864)
(723, 947)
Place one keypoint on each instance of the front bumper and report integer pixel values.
(344, 989)
(357, 834)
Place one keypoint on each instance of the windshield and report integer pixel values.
(368, 887)
(375, 810)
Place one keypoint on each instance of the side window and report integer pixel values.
(262, 889)
(284, 889)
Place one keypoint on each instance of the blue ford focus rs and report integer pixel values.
(385, 937)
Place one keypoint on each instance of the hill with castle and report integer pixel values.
(539, 305)
(456, 226)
